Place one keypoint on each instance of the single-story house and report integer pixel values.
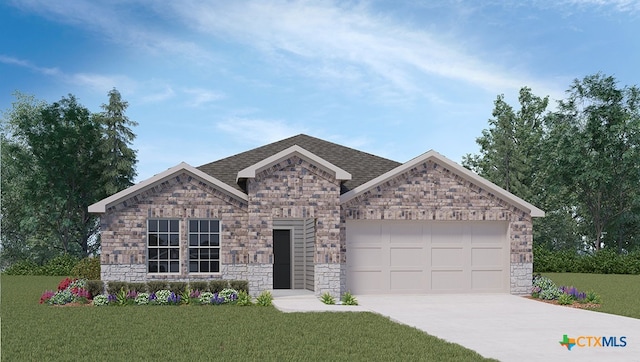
(304, 213)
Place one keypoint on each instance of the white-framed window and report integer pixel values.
(204, 246)
(163, 246)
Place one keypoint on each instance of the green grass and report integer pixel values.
(31, 331)
(620, 294)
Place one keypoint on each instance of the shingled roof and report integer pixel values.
(361, 165)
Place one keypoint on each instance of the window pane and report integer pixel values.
(193, 253)
(193, 226)
(153, 254)
(153, 225)
(164, 239)
(193, 266)
(215, 254)
(204, 240)
(204, 226)
(174, 226)
(174, 265)
(174, 239)
(204, 253)
(193, 240)
(153, 267)
(174, 254)
(153, 240)
(163, 225)
(215, 240)
(215, 226)
(163, 266)
(215, 266)
(204, 266)
(163, 253)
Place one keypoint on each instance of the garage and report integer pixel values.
(417, 257)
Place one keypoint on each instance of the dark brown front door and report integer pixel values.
(281, 259)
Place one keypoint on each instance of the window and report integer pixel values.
(204, 246)
(163, 238)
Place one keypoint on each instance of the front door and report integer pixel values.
(281, 259)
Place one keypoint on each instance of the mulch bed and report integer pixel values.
(574, 305)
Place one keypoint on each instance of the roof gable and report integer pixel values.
(250, 172)
(102, 205)
(455, 168)
(360, 165)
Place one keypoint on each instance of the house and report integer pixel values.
(304, 213)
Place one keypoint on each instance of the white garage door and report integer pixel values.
(427, 257)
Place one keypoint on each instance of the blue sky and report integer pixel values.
(209, 79)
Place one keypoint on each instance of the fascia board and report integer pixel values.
(250, 172)
(453, 166)
(102, 205)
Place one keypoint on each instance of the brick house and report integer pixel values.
(304, 213)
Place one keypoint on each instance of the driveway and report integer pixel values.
(512, 328)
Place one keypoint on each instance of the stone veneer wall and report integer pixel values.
(124, 229)
(294, 188)
(432, 192)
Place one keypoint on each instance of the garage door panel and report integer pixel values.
(487, 280)
(446, 233)
(488, 233)
(447, 257)
(366, 257)
(407, 281)
(404, 232)
(366, 282)
(447, 280)
(482, 257)
(414, 257)
(364, 233)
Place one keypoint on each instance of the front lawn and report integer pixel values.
(620, 294)
(32, 331)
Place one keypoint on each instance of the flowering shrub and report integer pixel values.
(205, 298)
(162, 296)
(217, 299)
(69, 291)
(229, 295)
(544, 288)
(142, 299)
(574, 293)
(100, 300)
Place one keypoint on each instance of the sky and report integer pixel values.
(210, 79)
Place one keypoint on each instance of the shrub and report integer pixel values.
(217, 285)
(113, 287)
(327, 298)
(592, 297)
(24, 267)
(87, 268)
(264, 299)
(156, 285)
(544, 288)
(60, 265)
(565, 299)
(228, 295)
(244, 299)
(205, 297)
(177, 287)
(239, 285)
(100, 300)
(349, 299)
(201, 286)
(95, 287)
(137, 287)
(142, 299)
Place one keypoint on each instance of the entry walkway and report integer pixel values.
(501, 326)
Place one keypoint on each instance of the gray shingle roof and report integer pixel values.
(362, 166)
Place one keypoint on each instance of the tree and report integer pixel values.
(594, 139)
(60, 158)
(510, 148)
(120, 159)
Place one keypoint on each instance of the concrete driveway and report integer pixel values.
(512, 328)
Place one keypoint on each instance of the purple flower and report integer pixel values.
(152, 296)
(112, 298)
(217, 299)
(132, 294)
(194, 294)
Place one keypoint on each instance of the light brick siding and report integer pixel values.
(124, 227)
(430, 192)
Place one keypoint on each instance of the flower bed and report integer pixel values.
(73, 292)
(544, 289)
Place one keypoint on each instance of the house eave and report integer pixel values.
(455, 168)
(101, 206)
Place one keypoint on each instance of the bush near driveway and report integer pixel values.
(31, 331)
(604, 261)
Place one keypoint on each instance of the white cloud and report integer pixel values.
(259, 131)
(26, 64)
(198, 97)
(155, 96)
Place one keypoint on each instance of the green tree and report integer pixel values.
(594, 140)
(58, 159)
(120, 159)
(510, 149)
